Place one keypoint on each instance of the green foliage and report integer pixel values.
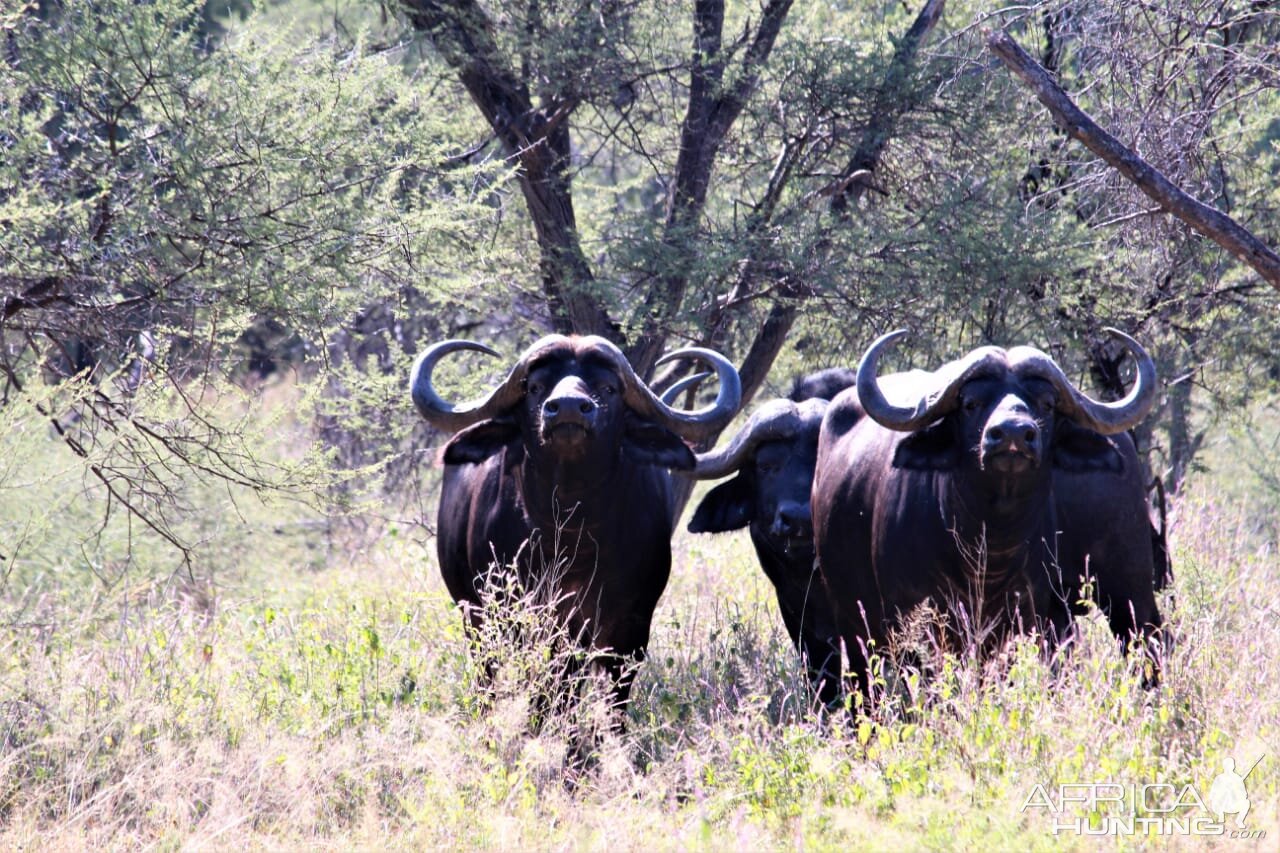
(306, 184)
(178, 191)
(61, 521)
(296, 180)
(233, 661)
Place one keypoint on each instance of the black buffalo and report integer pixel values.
(989, 488)
(561, 470)
(822, 385)
(772, 458)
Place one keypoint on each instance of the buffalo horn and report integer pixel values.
(1103, 418)
(929, 407)
(450, 417)
(673, 393)
(694, 425)
(776, 419)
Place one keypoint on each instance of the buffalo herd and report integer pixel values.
(992, 490)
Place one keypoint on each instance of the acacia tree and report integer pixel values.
(200, 214)
(741, 175)
(161, 191)
(734, 159)
(1192, 86)
(757, 164)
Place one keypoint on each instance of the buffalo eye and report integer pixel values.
(609, 390)
(1044, 403)
(535, 389)
(971, 404)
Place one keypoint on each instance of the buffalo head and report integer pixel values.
(773, 456)
(576, 402)
(1002, 414)
(823, 385)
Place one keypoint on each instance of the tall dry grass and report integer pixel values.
(292, 694)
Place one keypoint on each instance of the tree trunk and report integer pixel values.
(711, 112)
(538, 141)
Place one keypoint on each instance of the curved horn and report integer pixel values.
(447, 416)
(1103, 418)
(691, 426)
(776, 419)
(872, 398)
(673, 393)
(931, 406)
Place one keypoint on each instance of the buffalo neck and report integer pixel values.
(570, 495)
(1006, 514)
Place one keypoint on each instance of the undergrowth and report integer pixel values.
(297, 691)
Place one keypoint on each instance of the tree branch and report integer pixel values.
(718, 322)
(539, 142)
(107, 477)
(727, 109)
(463, 34)
(708, 119)
(1206, 220)
(890, 106)
(28, 293)
(766, 346)
(883, 123)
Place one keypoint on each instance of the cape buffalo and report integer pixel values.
(822, 385)
(773, 458)
(989, 488)
(561, 470)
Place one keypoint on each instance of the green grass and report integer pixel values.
(293, 691)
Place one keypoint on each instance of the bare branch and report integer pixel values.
(1206, 220)
(534, 138)
(766, 346)
(710, 114)
(157, 524)
(29, 293)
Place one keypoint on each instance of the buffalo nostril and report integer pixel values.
(1030, 436)
(995, 434)
(551, 407)
(791, 521)
(586, 407)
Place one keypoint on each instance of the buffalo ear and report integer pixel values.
(478, 442)
(729, 506)
(647, 443)
(932, 449)
(1078, 449)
